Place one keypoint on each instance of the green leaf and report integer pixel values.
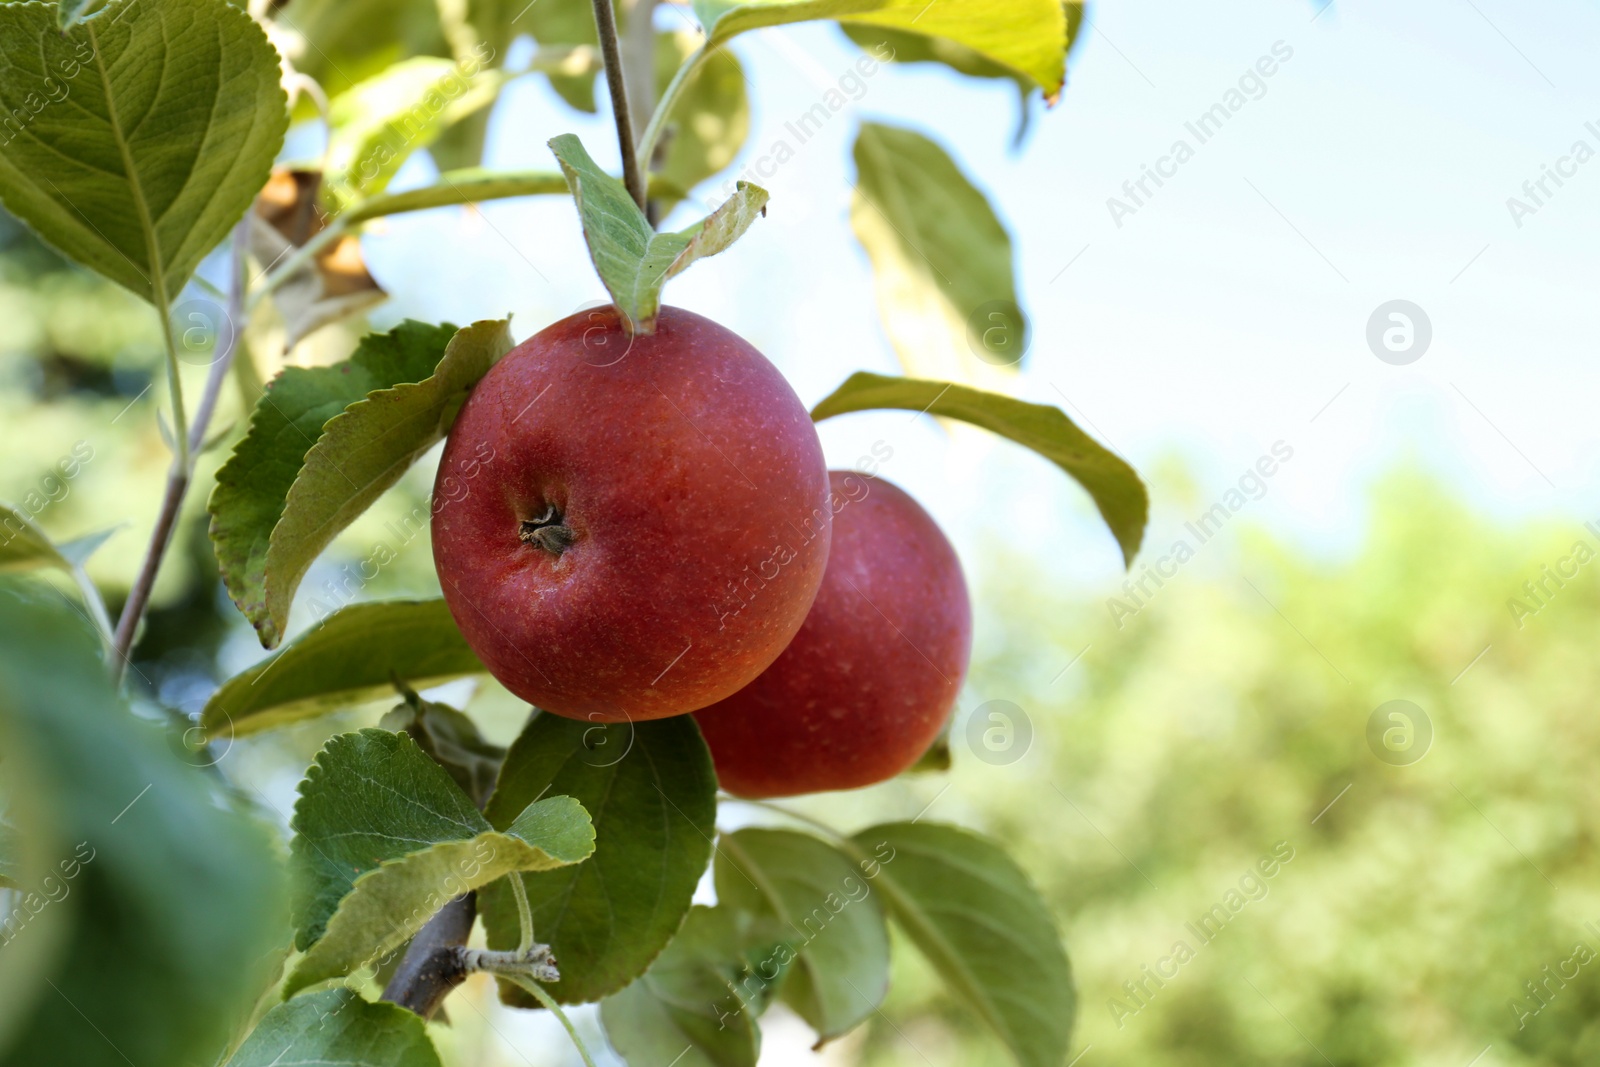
(23, 546)
(555, 23)
(973, 913)
(147, 904)
(697, 1005)
(1114, 486)
(78, 550)
(711, 119)
(352, 657)
(830, 919)
(337, 1027)
(324, 443)
(632, 259)
(386, 907)
(369, 797)
(366, 449)
(150, 127)
(379, 122)
(904, 46)
(348, 41)
(941, 259)
(451, 740)
(1029, 36)
(651, 791)
(10, 855)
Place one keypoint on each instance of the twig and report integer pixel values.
(182, 470)
(605, 24)
(669, 99)
(433, 966)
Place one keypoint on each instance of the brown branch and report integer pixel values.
(605, 24)
(181, 474)
(433, 966)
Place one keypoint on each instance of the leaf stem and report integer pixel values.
(180, 422)
(767, 805)
(605, 24)
(669, 99)
(524, 913)
(301, 257)
(190, 439)
(555, 1009)
(96, 605)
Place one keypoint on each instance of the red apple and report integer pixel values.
(870, 679)
(631, 527)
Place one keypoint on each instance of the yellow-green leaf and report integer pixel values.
(1114, 486)
(349, 658)
(387, 906)
(1027, 35)
(379, 122)
(941, 258)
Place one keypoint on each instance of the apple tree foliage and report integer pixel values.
(146, 896)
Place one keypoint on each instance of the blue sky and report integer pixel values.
(1229, 312)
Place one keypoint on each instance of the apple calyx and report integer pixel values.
(549, 531)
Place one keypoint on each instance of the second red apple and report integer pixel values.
(868, 682)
